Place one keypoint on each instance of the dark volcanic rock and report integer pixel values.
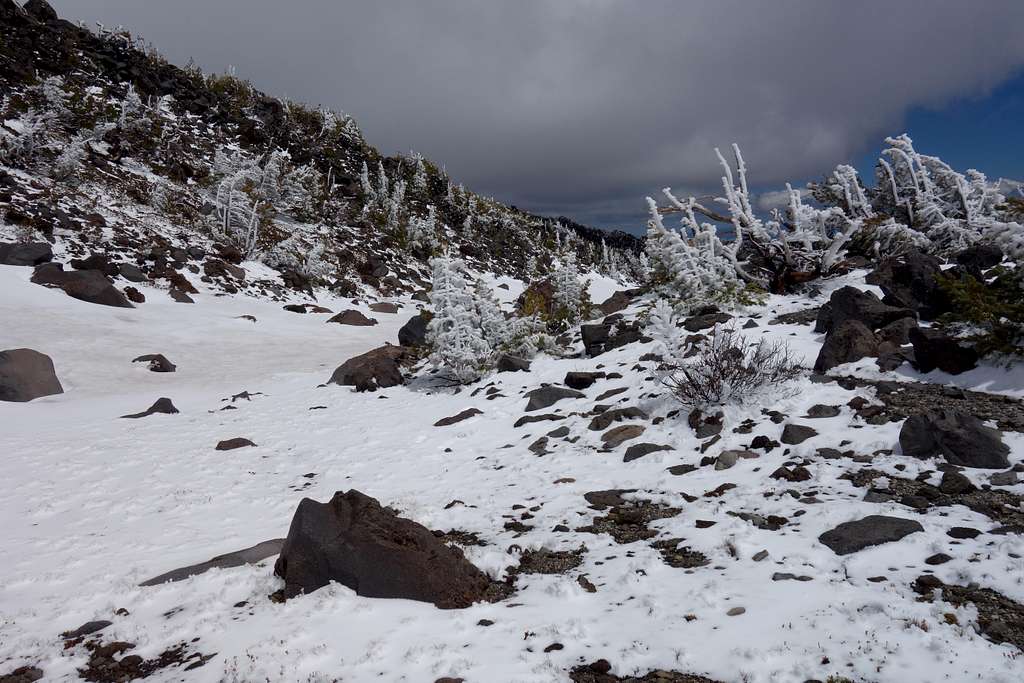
(26, 374)
(849, 537)
(252, 555)
(605, 419)
(23, 674)
(384, 307)
(639, 450)
(90, 286)
(162, 405)
(507, 363)
(157, 362)
(353, 540)
(980, 257)
(414, 332)
(548, 396)
(962, 438)
(581, 380)
(25, 254)
(911, 281)
(459, 417)
(696, 323)
(897, 332)
(793, 434)
(850, 303)
(232, 444)
(374, 369)
(86, 629)
(352, 317)
(849, 341)
(935, 349)
(616, 302)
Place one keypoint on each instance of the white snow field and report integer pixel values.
(94, 504)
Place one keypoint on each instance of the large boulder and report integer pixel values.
(850, 303)
(935, 349)
(26, 254)
(849, 537)
(414, 332)
(355, 541)
(961, 438)
(912, 281)
(610, 333)
(90, 286)
(980, 257)
(617, 301)
(374, 369)
(26, 374)
(850, 341)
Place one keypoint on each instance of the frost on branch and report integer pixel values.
(455, 332)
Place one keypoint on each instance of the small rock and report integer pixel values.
(459, 417)
(850, 537)
(232, 444)
(736, 611)
(793, 434)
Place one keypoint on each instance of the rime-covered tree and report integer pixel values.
(455, 333)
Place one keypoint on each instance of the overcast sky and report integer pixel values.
(582, 107)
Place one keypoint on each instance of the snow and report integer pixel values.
(95, 504)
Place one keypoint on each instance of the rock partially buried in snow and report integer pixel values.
(384, 307)
(639, 450)
(548, 396)
(616, 436)
(793, 434)
(252, 555)
(934, 349)
(581, 380)
(459, 417)
(414, 332)
(372, 370)
(849, 341)
(162, 405)
(849, 537)
(26, 374)
(507, 363)
(961, 438)
(352, 317)
(157, 362)
(232, 444)
(351, 539)
(90, 286)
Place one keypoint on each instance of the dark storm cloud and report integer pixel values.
(583, 106)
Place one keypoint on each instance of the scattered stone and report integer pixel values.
(86, 629)
(736, 611)
(616, 302)
(897, 332)
(605, 419)
(26, 374)
(639, 450)
(911, 281)
(162, 405)
(954, 483)
(232, 444)
(726, 460)
(527, 419)
(547, 396)
(581, 380)
(23, 674)
(937, 559)
(384, 307)
(808, 316)
(850, 537)
(355, 541)
(616, 436)
(507, 363)
(793, 434)
(598, 672)
(963, 533)
(819, 411)
(794, 475)
(850, 303)
(1008, 478)
(157, 362)
(759, 556)
(544, 561)
(180, 296)
(134, 295)
(786, 576)
(680, 557)
(960, 437)
(459, 417)
(679, 470)
(1000, 619)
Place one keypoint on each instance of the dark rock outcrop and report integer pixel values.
(850, 303)
(26, 374)
(934, 349)
(581, 380)
(157, 362)
(507, 363)
(355, 541)
(352, 317)
(548, 396)
(414, 333)
(912, 281)
(90, 286)
(961, 438)
(162, 405)
(25, 254)
(849, 341)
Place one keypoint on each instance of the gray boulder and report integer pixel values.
(25, 254)
(26, 374)
(352, 317)
(961, 438)
(251, 555)
(849, 537)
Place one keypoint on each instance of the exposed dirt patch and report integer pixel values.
(104, 667)
(544, 561)
(1000, 619)
(680, 556)
(597, 672)
(627, 521)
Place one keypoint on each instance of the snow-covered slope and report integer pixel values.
(95, 504)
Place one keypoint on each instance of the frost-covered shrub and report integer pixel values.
(724, 369)
(455, 333)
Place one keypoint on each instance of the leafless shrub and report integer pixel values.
(729, 369)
